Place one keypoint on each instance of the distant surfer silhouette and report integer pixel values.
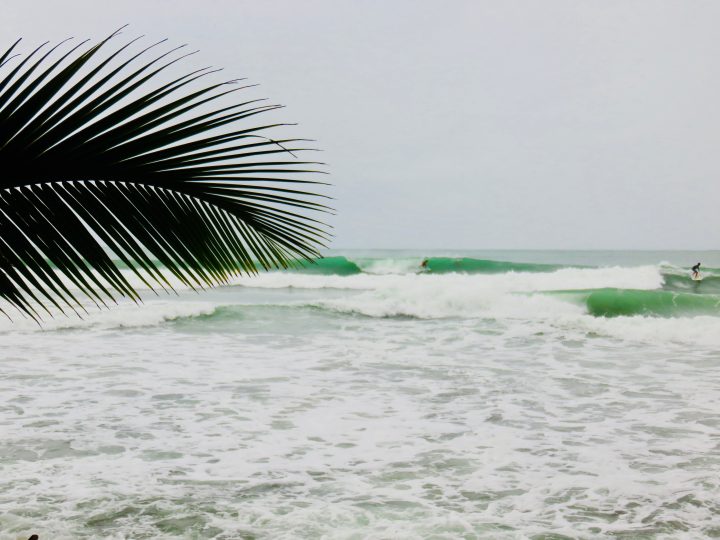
(424, 263)
(696, 271)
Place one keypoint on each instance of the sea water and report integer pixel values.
(486, 395)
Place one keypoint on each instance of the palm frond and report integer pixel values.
(105, 159)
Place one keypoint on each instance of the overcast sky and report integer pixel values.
(470, 124)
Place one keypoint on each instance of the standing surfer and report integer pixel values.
(696, 271)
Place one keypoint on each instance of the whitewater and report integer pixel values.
(481, 394)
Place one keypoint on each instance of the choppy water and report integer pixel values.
(577, 396)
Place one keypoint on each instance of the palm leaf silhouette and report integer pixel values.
(99, 163)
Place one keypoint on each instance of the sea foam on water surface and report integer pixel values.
(125, 315)
(560, 297)
(644, 277)
(383, 428)
(381, 403)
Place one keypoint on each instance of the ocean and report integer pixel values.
(490, 394)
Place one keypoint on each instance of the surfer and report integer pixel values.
(696, 271)
(424, 264)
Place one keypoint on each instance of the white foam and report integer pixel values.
(125, 315)
(390, 429)
(701, 330)
(545, 420)
(432, 299)
(641, 277)
(389, 266)
(464, 295)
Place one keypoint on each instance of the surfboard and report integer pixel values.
(698, 278)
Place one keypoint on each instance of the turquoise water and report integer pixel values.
(486, 395)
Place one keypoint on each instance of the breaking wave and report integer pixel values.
(611, 302)
(342, 266)
(462, 288)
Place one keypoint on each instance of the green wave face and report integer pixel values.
(330, 266)
(445, 265)
(629, 302)
(341, 266)
(710, 284)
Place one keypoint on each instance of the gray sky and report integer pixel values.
(470, 124)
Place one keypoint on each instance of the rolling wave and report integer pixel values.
(444, 265)
(710, 284)
(425, 285)
(613, 302)
(446, 288)
(331, 266)
(342, 266)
